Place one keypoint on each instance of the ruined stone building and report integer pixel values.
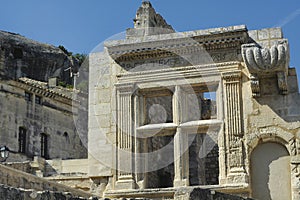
(172, 115)
(37, 120)
(38, 117)
(215, 108)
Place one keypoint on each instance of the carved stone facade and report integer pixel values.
(149, 111)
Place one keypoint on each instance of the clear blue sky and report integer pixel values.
(80, 25)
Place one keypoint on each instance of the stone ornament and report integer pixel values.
(265, 59)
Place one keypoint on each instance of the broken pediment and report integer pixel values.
(148, 22)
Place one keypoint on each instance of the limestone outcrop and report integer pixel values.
(23, 57)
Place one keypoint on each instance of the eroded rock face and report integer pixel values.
(22, 57)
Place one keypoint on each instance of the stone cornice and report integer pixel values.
(40, 88)
(177, 43)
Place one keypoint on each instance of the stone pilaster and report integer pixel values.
(234, 129)
(181, 152)
(125, 177)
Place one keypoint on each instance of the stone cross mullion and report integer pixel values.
(181, 152)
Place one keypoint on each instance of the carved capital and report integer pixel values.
(125, 88)
(262, 60)
(231, 76)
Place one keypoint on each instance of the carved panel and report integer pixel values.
(233, 121)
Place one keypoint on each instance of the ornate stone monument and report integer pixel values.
(199, 108)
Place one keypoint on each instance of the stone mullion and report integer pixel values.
(181, 152)
(233, 127)
(124, 135)
(140, 144)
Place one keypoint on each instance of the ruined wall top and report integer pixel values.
(148, 22)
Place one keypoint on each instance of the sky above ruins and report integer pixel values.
(80, 25)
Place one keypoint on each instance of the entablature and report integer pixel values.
(211, 72)
(169, 45)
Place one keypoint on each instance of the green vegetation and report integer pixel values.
(65, 50)
(82, 82)
(64, 84)
(79, 56)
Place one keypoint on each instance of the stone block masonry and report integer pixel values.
(18, 179)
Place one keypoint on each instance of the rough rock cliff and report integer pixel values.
(22, 57)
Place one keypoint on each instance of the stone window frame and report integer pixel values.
(128, 90)
(169, 127)
(38, 100)
(28, 96)
(22, 140)
(153, 93)
(44, 145)
(200, 126)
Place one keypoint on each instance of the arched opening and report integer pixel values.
(270, 172)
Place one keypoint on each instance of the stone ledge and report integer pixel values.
(172, 192)
(18, 179)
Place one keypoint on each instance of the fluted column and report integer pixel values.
(235, 166)
(125, 177)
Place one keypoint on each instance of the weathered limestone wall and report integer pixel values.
(197, 193)
(52, 117)
(271, 172)
(23, 194)
(272, 114)
(18, 179)
(101, 124)
(62, 167)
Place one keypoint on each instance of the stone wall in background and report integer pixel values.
(32, 106)
(18, 179)
(22, 194)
